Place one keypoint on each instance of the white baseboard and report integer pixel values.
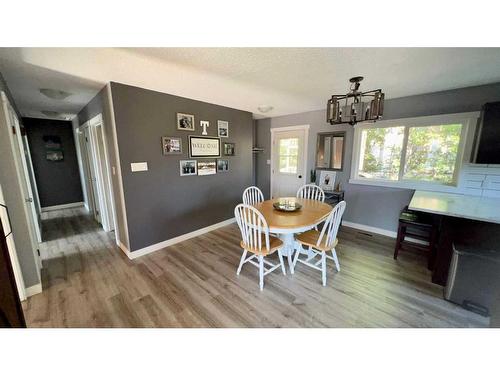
(173, 241)
(123, 248)
(62, 206)
(375, 230)
(370, 229)
(86, 206)
(34, 289)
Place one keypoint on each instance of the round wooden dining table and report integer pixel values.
(286, 224)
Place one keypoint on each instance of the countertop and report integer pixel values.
(457, 205)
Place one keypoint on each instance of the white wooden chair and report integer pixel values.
(256, 240)
(320, 243)
(311, 191)
(252, 195)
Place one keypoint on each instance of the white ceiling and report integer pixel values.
(289, 79)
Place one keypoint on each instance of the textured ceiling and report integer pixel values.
(289, 79)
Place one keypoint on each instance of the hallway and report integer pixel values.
(89, 282)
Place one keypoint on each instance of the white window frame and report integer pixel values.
(468, 121)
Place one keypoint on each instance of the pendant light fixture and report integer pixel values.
(351, 109)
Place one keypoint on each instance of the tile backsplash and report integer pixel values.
(480, 180)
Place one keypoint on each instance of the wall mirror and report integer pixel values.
(330, 151)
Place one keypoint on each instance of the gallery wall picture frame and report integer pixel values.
(223, 129)
(204, 147)
(188, 167)
(185, 122)
(222, 165)
(171, 145)
(229, 149)
(207, 167)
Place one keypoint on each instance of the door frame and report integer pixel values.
(304, 128)
(100, 163)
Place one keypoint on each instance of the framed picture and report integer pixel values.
(204, 147)
(327, 180)
(223, 129)
(229, 149)
(222, 165)
(53, 148)
(206, 168)
(188, 168)
(185, 122)
(171, 145)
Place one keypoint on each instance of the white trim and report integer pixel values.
(34, 289)
(370, 229)
(467, 119)
(62, 206)
(172, 241)
(81, 171)
(412, 185)
(305, 128)
(123, 248)
(289, 128)
(118, 173)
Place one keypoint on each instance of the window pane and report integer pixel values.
(432, 152)
(288, 164)
(338, 144)
(380, 153)
(289, 149)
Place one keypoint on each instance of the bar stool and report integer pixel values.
(417, 226)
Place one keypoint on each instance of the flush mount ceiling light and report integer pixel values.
(265, 108)
(350, 108)
(55, 94)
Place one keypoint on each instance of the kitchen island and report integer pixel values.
(456, 215)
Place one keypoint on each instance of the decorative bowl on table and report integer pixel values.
(287, 205)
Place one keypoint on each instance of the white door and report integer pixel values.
(289, 161)
(29, 196)
(103, 179)
(23, 177)
(92, 172)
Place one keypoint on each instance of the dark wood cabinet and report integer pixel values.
(487, 142)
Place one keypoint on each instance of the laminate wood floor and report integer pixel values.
(89, 282)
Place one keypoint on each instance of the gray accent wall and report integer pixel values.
(58, 182)
(161, 204)
(372, 205)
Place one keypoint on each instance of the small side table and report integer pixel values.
(334, 196)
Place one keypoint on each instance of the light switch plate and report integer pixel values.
(139, 167)
(268, 161)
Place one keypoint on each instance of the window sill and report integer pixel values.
(406, 185)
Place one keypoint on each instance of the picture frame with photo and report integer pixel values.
(185, 122)
(188, 168)
(171, 145)
(229, 149)
(327, 180)
(207, 167)
(222, 165)
(204, 147)
(223, 129)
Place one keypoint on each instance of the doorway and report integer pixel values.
(288, 160)
(96, 172)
